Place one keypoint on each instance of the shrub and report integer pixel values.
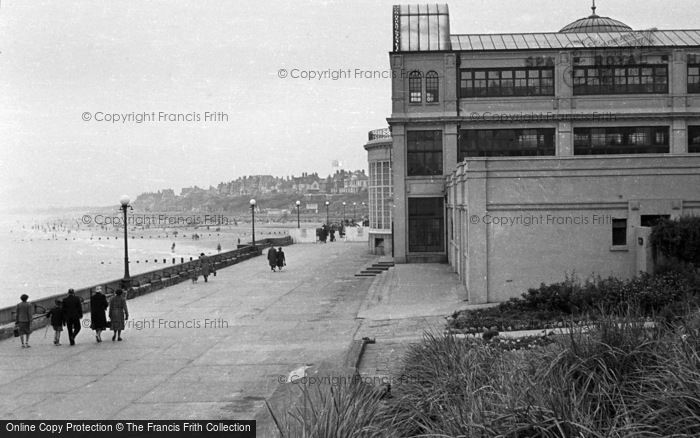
(678, 239)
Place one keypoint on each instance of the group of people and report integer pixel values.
(68, 313)
(276, 258)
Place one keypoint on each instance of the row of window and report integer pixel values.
(598, 80)
(424, 148)
(507, 82)
(621, 80)
(621, 140)
(415, 87)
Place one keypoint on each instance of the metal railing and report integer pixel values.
(380, 134)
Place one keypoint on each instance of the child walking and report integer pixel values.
(57, 322)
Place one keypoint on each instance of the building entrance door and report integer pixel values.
(426, 225)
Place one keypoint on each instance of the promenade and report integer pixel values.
(239, 336)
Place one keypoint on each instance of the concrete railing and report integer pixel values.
(145, 282)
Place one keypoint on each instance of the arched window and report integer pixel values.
(432, 87)
(415, 87)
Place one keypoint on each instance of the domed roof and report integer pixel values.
(594, 23)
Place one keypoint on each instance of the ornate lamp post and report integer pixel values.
(298, 203)
(354, 206)
(252, 212)
(343, 212)
(327, 217)
(126, 281)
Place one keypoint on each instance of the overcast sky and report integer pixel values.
(63, 61)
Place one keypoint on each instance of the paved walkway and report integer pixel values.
(238, 334)
(402, 304)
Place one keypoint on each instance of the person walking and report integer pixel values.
(281, 261)
(118, 313)
(272, 258)
(98, 306)
(23, 319)
(72, 312)
(57, 321)
(204, 264)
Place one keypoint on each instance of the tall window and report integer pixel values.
(619, 232)
(630, 79)
(505, 143)
(415, 87)
(507, 82)
(432, 87)
(380, 196)
(694, 78)
(426, 225)
(424, 153)
(621, 140)
(694, 139)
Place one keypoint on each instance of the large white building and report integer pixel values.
(519, 158)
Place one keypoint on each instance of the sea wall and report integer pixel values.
(142, 284)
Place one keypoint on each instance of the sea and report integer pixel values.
(44, 255)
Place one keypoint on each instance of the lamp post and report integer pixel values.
(126, 281)
(343, 212)
(354, 206)
(252, 212)
(363, 209)
(298, 203)
(327, 220)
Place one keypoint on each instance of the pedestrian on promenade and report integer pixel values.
(57, 321)
(72, 312)
(98, 306)
(23, 319)
(205, 266)
(118, 313)
(272, 258)
(281, 261)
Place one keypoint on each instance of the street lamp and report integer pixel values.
(126, 281)
(363, 209)
(343, 212)
(327, 220)
(298, 203)
(354, 206)
(252, 212)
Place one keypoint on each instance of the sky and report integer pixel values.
(68, 66)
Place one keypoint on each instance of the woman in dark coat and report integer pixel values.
(204, 265)
(118, 313)
(272, 258)
(281, 261)
(98, 306)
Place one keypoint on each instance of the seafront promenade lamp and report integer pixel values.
(354, 206)
(327, 217)
(298, 203)
(252, 212)
(126, 281)
(343, 212)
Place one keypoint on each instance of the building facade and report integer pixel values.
(520, 158)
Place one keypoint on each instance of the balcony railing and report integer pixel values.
(379, 134)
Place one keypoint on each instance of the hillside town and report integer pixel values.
(234, 195)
